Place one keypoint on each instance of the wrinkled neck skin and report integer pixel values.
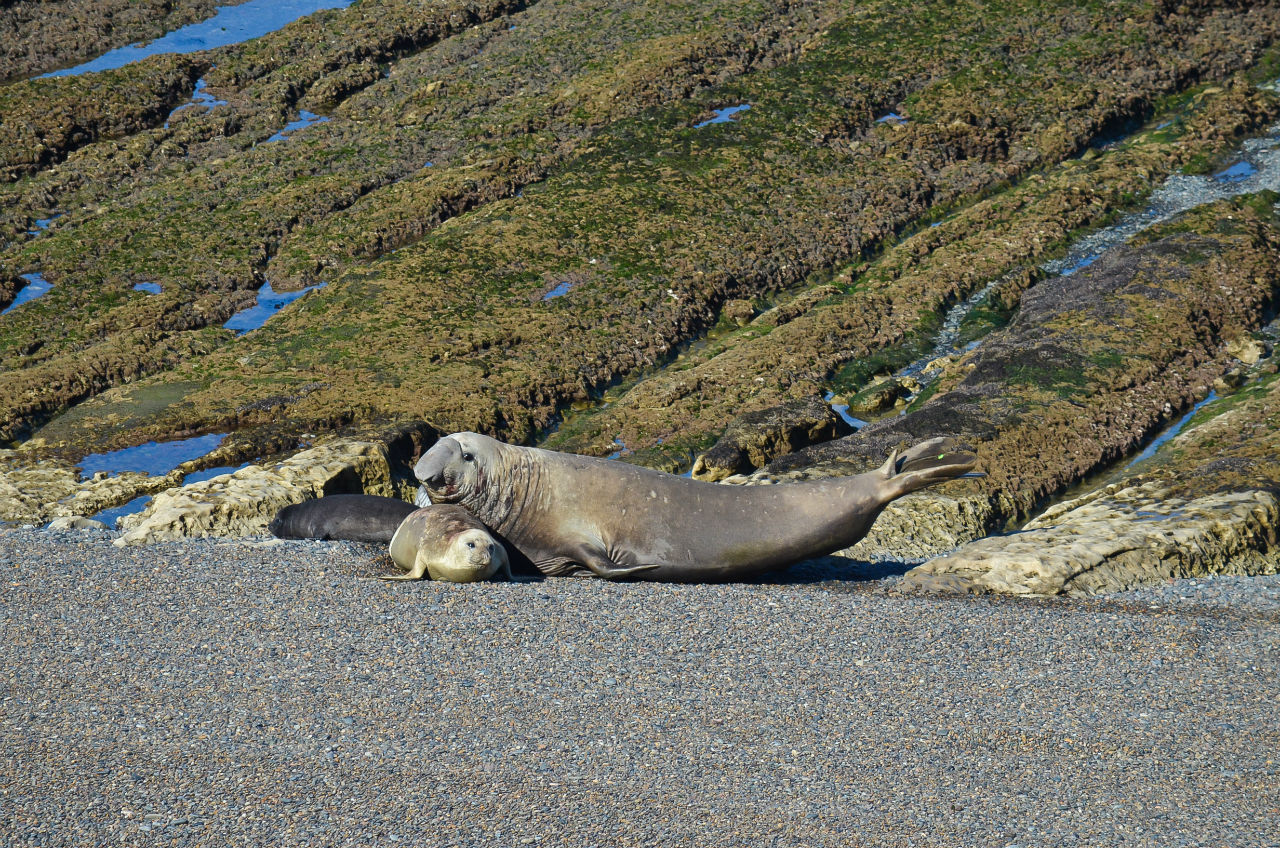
(504, 491)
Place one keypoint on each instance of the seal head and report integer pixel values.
(447, 543)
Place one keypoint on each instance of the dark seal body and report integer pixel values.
(356, 518)
(572, 514)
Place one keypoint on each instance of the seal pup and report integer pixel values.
(578, 515)
(356, 518)
(447, 543)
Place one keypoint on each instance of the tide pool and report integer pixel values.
(229, 25)
(153, 458)
(269, 303)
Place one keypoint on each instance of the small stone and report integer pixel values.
(76, 522)
(740, 312)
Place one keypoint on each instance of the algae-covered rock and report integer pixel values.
(244, 502)
(1206, 502)
(756, 438)
(498, 157)
(1095, 362)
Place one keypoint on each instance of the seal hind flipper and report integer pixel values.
(930, 462)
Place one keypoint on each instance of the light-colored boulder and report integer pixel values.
(244, 502)
(1115, 539)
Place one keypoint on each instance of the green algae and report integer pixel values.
(612, 171)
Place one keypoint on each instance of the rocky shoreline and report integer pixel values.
(499, 208)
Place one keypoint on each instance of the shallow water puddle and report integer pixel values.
(200, 99)
(842, 409)
(305, 119)
(723, 116)
(269, 303)
(229, 25)
(559, 291)
(892, 118)
(1170, 431)
(153, 458)
(110, 516)
(149, 288)
(42, 224)
(1236, 173)
(36, 287)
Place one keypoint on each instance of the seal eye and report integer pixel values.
(467, 457)
(471, 544)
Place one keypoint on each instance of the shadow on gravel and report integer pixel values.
(844, 573)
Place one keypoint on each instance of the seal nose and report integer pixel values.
(430, 469)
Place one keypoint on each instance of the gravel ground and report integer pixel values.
(255, 692)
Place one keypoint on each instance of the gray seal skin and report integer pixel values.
(578, 515)
(356, 518)
(447, 543)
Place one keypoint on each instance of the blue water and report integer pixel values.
(110, 516)
(842, 409)
(894, 117)
(1083, 262)
(429, 165)
(35, 287)
(1170, 432)
(210, 473)
(200, 99)
(42, 224)
(149, 288)
(558, 291)
(1256, 168)
(1237, 173)
(154, 458)
(305, 119)
(269, 303)
(229, 25)
(723, 116)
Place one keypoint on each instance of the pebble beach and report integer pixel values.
(259, 692)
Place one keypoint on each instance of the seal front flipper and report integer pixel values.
(602, 566)
(589, 562)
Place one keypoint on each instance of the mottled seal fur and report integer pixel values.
(447, 543)
(580, 515)
(357, 518)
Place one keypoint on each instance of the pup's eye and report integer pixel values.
(466, 457)
(471, 544)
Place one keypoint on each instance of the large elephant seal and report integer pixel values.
(357, 518)
(579, 515)
(447, 543)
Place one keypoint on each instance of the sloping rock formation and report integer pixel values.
(1207, 503)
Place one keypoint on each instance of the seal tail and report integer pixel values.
(934, 461)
